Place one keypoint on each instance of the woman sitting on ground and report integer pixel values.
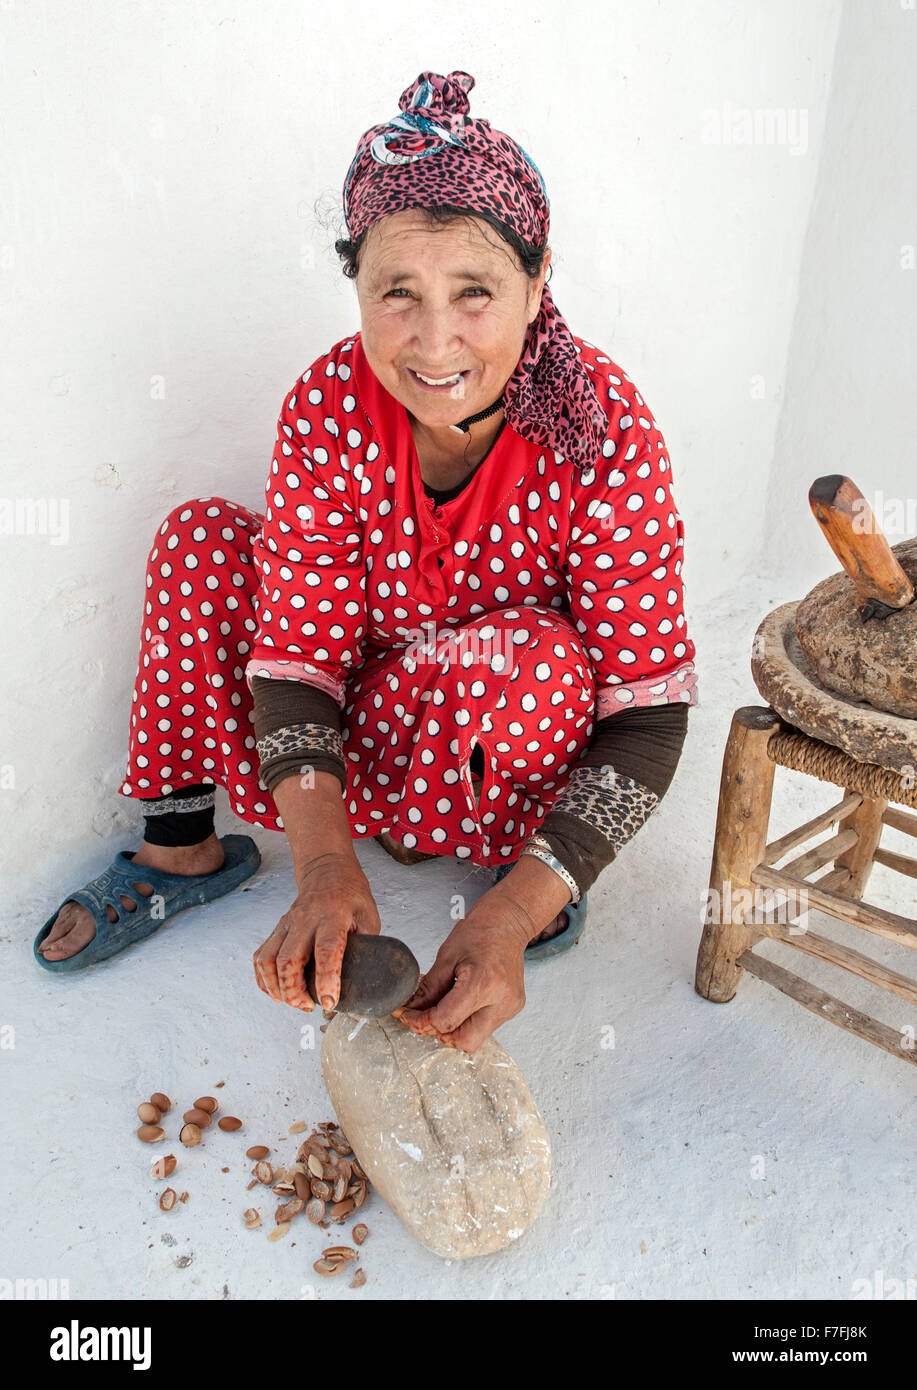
(457, 627)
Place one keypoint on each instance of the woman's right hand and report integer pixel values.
(334, 900)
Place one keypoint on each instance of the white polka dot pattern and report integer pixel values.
(512, 616)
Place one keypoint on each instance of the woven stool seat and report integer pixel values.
(829, 764)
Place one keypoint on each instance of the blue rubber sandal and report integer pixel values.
(555, 945)
(172, 893)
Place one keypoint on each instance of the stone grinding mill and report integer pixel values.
(839, 672)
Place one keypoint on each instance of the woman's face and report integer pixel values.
(440, 301)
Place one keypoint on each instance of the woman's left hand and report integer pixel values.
(476, 981)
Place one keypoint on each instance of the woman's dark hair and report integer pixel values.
(442, 214)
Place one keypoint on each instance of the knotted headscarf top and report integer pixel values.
(434, 152)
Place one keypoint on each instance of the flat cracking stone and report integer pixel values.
(452, 1141)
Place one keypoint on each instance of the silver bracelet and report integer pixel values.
(540, 849)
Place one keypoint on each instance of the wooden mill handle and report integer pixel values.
(854, 535)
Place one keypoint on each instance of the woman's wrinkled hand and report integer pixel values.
(476, 982)
(334, 900)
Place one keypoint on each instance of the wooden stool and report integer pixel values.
(743, 869)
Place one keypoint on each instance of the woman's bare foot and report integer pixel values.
(74, 927)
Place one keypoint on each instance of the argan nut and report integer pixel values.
(230, 1123)
(164, 1167)
(201, 1118)
(252, 1218)
(341, 1209)
(161, 1102)
(328, 1266)
(168, 1199)
(257, 1151)
(190, 1135)
(279, 1231)
(315, 1210)
(264, 1173)
(302, 1186)
(339, 1252)
(358, 1280)
(207, 1103)
(150, 1134)
(149, 1113)
(360, 1232)
(315, 1166)
(297, 1128)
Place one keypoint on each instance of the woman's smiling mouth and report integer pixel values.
(441, 383)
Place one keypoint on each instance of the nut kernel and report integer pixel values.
(196, 1117)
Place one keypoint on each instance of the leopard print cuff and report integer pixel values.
(301, 738)
(614, 805)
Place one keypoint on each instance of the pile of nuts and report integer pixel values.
(326, 1181)
(326, 1178)
(195, 1121)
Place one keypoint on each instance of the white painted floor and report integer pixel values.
(745, 1150)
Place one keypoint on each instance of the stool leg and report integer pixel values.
(867, 822)
(738, 847)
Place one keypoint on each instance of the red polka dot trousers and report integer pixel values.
(517, 681)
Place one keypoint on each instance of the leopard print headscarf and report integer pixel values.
(434, 152)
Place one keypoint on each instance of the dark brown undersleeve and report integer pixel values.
(280, 704)
(643, 744)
